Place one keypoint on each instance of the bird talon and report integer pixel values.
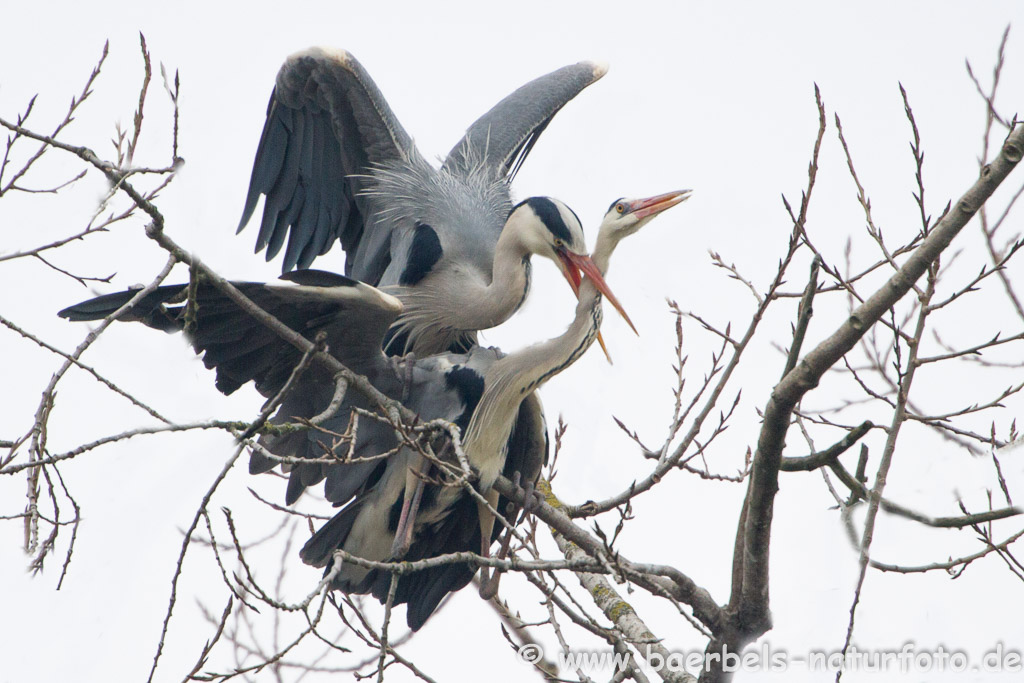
(533, 502)
(531, 497)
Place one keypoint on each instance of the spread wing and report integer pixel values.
(327, 124)
(503, 137)
(354, 316)
(241, 349)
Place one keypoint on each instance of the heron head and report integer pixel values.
(547, 227)
(626, 216)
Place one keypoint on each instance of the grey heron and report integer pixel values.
(488, 395)
(334, 163)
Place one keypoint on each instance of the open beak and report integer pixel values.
(574, 263)
(570, 271)
(642, 208)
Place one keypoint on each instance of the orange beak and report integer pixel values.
(642, 208)
(574, 263)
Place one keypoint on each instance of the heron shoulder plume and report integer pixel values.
(475, 199)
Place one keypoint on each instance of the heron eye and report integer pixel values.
(559, 243)
(620, 208)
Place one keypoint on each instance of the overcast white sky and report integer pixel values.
(717, 97)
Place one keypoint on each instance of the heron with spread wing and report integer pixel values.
(334, 164)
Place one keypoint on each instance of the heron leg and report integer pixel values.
(489, 584)
(486, 519)
(410, 506)
(407, 385)
(531, 498)
(404, 367)
(515, 515)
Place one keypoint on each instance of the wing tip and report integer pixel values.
(598, 67)
(340, 55)
(388, 302)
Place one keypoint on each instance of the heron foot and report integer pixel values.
(531, 497)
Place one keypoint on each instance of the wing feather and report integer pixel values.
(327, 124)
(504, 136)
(354, 316)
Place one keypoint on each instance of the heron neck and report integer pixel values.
(603, 249)
(513, 377)
(510, 282)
